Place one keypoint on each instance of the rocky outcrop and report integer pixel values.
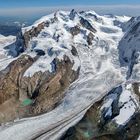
(85, 23)
(74, 51)
(23, 39)
(33, 33)
(75, 30)
(20, 44)
(49, 61)
(72, 14)
(22, 96)
(100, 123)
(129, 24)
(129, 46)
(90, 38)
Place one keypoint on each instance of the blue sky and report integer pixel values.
(43, 7)
(36, 3)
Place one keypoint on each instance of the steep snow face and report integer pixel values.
(100, 69)
(56, 40)
(122, 100)
(6, 44)
(129, 49)
(4, 41)
(129, 104)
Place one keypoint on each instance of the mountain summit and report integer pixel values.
(71, 75)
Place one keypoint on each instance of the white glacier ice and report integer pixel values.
(100, 71)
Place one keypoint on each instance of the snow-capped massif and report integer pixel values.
(102, 66)
(57, 41)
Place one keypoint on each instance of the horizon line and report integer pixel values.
(120, 8)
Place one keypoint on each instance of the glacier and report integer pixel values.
(100, 71)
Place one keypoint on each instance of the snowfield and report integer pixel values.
(100, 71)
(5, 59)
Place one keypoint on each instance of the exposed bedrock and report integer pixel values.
(102, 120)
(22, 96)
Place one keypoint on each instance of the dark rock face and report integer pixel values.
(22, 96)
(75, 30)
(29, 96)
(40, 52)
(134, 30)
(7, 30)
(20, 43)
(11, 77)
(72, 14)
(98, 125)
(74, 51)
(129, 46)
(90, 38)
(23, 39)
(129, 24)
(33, 33)
(54, 19)
(87, 25)
(114, 94)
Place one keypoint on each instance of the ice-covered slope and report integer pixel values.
(56, 39)
(115, 117)
(98, 60)
(129, 49)
(5, 58)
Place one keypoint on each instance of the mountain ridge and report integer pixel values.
(83, 50)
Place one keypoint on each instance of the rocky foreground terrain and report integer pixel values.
(71, 76)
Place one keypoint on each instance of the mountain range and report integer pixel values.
(71, 76)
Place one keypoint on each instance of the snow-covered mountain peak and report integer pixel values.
(56, 34)
(82, 53)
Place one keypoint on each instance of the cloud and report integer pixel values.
(132, 10)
